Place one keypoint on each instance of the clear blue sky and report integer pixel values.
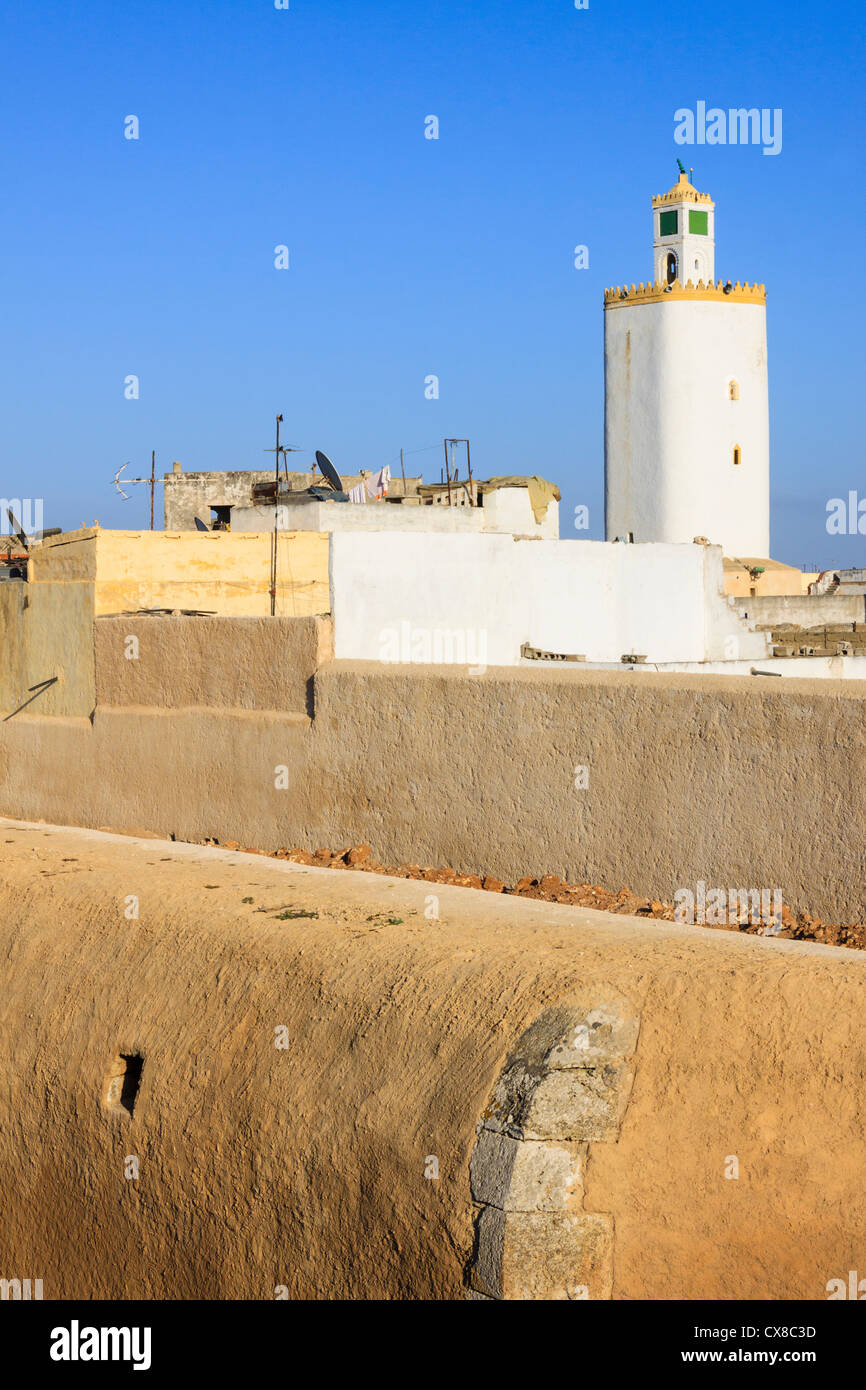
(409, 256)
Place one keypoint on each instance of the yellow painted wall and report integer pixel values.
(220, 571)
(777, 579)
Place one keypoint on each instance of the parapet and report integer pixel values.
(683, 191)
(653, 291)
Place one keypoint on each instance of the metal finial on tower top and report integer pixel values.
(681, 166)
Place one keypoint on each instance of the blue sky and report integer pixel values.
(409, 257)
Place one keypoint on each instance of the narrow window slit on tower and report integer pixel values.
(737, 455)
(124, 1080)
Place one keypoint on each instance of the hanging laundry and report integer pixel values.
(377, 486)
(357, 494)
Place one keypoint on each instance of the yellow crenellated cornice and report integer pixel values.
(682, 192)
(652, 292)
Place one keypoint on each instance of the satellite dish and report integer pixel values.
(199, 524)
(329, 472)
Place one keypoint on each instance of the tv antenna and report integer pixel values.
(151, 482)
(451, 473)
(279, 451)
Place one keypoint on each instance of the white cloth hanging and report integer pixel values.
(377, 486)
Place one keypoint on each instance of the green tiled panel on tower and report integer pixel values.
(698, 223)
(668, 223)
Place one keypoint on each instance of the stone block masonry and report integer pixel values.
(565, 1085)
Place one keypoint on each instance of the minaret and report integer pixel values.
(686, 413)
(684, 244)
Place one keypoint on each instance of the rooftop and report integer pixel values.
(682, 192)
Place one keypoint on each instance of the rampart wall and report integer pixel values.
(242, 730)
(218, 1098)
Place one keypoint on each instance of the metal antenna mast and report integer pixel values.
(276, 518)
(279, 450)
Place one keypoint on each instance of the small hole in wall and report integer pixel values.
(124, 1079)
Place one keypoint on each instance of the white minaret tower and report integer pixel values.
(686, 415)
(684, 246)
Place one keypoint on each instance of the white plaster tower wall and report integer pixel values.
(687, 447)
(683, 458)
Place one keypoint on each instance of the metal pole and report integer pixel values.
(473, 491)
(276, 516)
(152, 483)
(403, 471)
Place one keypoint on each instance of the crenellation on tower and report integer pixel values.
(720, 289)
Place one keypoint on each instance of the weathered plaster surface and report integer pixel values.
(219, 572)
(737, 783)
(218, 663)
(304, 1166)
(670, 425)
(491, 594)
(46, 632)
(193, 494)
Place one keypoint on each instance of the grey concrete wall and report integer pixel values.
(191, 495)
(803, 610)
(740, 784)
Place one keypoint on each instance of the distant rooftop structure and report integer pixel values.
(243, 501)
(751, 576)
(840, 581)
(513, 505)
(210, 495)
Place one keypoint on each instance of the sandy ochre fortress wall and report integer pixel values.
(216, 663)
(46, 634)
(243, 731)
(277, 1081)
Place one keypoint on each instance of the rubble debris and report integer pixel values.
(801, 926)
